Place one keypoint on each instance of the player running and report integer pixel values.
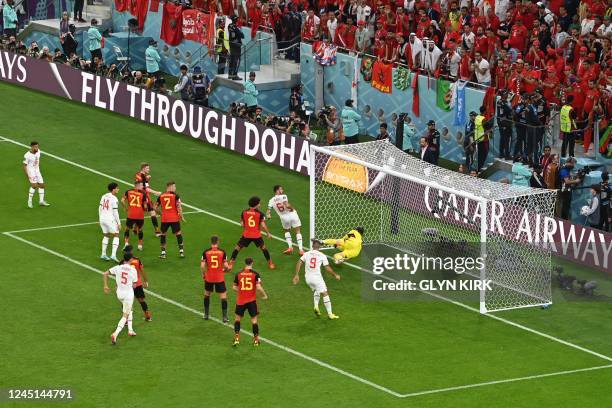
(313, 260)
(142, 283)
(246, 283)
(288, 216)
(134, 203)
(350, 245)
(31, 168)
(171, 216)
(144, 177)
(214, 265)
(108, 213)
(126, 278)
(252, 221)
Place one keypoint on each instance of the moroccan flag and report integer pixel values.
(122, 5)
(172, 22)
(138, 8)
(382, 77)
(415, 94)
(443, 94)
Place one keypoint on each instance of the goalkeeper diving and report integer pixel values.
(349, 245)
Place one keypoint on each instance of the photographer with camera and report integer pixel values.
(592, 210)
(329, 116)
(183, 86)
(568, 183)
(200, 86)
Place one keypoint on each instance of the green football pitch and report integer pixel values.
(57, 320)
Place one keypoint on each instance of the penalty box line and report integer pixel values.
(81, 224)
(201, 314)
(307, 357)
(437, 296)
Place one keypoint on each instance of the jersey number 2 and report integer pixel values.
(167, 205)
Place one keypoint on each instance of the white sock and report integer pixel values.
(31, 194)
(327, 304)
(298, 237)
(288, 239)
(129, 322)
(41, 195)
(115, 246)
(104, 245)
(120, 326)
(316, 296)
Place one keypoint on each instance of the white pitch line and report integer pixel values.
(194, 311)
(509, 380)
(489, 315)
(77, 225)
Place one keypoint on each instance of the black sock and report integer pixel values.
(255, 329)
(126, 234)
(234, 255)
(162, 241)
(179, 239)
(144, 306)
(140, 235)
(206, 304)
(154, 222)
(236, 327)
(224, 307)
(266, 254)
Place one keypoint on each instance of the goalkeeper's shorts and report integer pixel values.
(351, 253)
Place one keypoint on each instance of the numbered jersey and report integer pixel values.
(32, 161)
(135, 200)
(247, 281)
(278, 202)
(214, 258)
(137, 263)
(251, 221)
(109, 204)
(125, 276)
(168, 203)
(313, 261)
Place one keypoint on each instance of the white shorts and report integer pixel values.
(127, 300)
(316, 283)
(290, 220)
(35, 176)
(109, 226)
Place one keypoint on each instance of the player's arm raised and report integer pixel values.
(329, 270)
(298, 267)
(105, 279)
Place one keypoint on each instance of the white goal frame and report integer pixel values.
(479, 199)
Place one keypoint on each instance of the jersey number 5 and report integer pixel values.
(214, 261)
(124, 278)
(246, 283)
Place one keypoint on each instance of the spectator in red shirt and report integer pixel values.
(518, 36)
(345, 34)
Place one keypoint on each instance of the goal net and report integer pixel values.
(410, 206)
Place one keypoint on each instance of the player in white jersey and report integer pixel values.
(288, 216)
(31, 168)
(108, 212)
(126, 277)
(313, 260)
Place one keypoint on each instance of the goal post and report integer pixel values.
(404, 204)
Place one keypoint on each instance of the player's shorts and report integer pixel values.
(35, 177)
(174, 226)
(351, 253)
(316, 283)
(109, 226)
(127, 300)
(130, 222)
(245, 242)
(139, 292)
(218, 287)
(251, 307)
(290, 220)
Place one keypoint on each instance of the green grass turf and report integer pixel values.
(57, 319)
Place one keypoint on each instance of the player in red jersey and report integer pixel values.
(169, 204)
(214, 265)
(142, 283)
(246, 283)
(134, 203)
(144, 177)
(252, 221)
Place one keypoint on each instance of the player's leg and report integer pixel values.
(328, 305)
(298, 238)
(316, 297)
(31, 191)
(126, 302)
(115, 244)
(41, 191)
(289, 250)
(176, 230)
(140, 296)
(253, 312)
(242, 243)
(239, 312)
(259, 242)
(139, 225)
(162, 239)
(106, 234)
(208, 287)
(222, 291)
(129, 226)
(153, 215)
